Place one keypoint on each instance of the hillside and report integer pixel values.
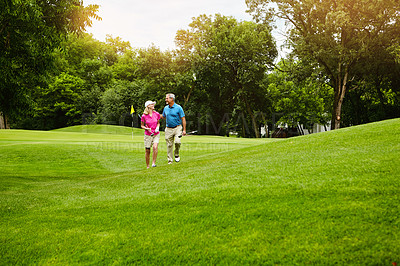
(101, 129)
(75, 197)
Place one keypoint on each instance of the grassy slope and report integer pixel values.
(328, 198)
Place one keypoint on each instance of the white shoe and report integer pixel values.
(169, 162)
(177, 159)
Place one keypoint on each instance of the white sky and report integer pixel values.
(143, 23)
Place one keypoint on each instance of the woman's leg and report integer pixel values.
(147, 145)
(147, 157)
(155, 152)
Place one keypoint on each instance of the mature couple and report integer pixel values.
(175, 129)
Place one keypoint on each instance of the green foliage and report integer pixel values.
(374, 100)
(58, 102)
(30, 30)
(86, 58)
(156, 67)
(116, 102)
(113, 48)
(299, 94)
(126, 68)
(377, 96)
(223, 73)
(229, 59)
(339, 35)
(82, 198)
(81, 47)
(94, 72)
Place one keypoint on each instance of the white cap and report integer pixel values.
(148, 103)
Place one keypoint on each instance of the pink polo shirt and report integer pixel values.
(151, 122)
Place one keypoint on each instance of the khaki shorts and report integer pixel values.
(149, 140)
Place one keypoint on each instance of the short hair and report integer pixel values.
(172, 96)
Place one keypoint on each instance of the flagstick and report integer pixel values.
(132, 112)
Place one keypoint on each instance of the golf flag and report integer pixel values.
(132, 111)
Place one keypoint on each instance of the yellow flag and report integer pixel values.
(132, 110)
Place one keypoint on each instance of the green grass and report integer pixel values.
(83, 195)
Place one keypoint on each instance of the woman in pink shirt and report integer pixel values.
(151, 125)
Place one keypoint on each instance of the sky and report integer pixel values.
(144, 23)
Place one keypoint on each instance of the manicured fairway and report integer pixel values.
(83, 195)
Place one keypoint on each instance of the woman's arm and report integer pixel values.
(158, 127)
(144, 127)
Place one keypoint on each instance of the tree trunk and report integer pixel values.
(340, 90)
(378, 83)
(253, 119)
(4, 122)
(187, 97)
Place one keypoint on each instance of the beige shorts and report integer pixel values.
(150, 140)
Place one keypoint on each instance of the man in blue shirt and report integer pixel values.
(176, 121)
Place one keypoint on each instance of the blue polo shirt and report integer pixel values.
(173, 115)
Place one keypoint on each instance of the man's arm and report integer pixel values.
(184, 126)
(163, 115)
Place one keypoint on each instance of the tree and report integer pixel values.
(29, 32)
(113, 48)
(338, 34)
(126, 67)
(156, 65)
(155, 70)
(377, 96)
(87, 58)
(57, 104)
(299, 93)
(117, 99)
(229, 59)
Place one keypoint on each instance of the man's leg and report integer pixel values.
(177, 140)
(169, 138)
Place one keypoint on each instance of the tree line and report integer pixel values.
(224, 72)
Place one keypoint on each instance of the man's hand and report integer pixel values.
(184, 126)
